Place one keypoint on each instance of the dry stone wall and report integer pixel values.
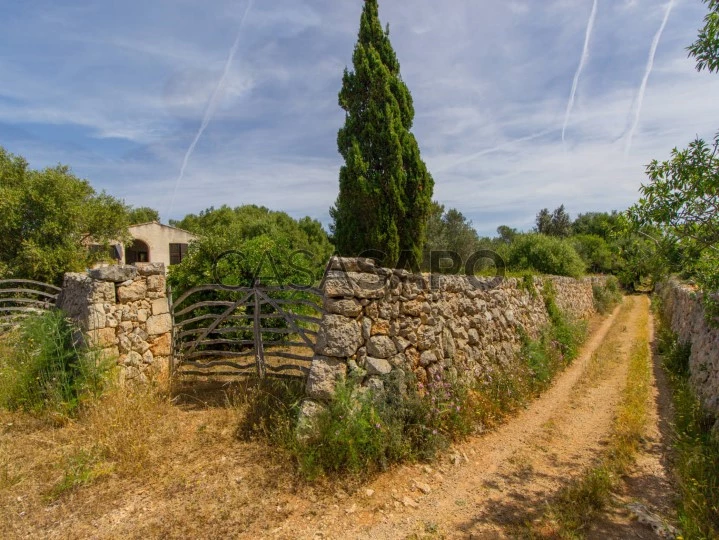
(380, 323)
(124, 311)
(683, 308)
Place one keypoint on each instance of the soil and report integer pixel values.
(209, 484)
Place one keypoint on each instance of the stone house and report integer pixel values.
(153, 242)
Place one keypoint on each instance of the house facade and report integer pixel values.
(157, 243)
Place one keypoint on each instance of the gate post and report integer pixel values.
(257, 330)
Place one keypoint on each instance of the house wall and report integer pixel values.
(158, 238)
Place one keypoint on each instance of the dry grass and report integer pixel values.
(135, 465)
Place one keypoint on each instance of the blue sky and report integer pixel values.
(119, 91)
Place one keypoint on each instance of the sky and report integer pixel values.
(181, 105)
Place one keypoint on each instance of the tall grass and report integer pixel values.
(695, 443)
(44, 368)
(606, 296)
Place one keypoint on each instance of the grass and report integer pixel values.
(608, 296)
(695, 443)
(575, 507)
(43, 369)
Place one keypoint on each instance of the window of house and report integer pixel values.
(177, 253)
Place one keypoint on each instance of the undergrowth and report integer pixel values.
(44, 369)
(606, 296)
(695, 442)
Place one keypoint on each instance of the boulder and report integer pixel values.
(377, 366)
(324, 376)
(381, 347)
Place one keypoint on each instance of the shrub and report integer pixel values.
(43, 368)
(545, 254)
(606, 296)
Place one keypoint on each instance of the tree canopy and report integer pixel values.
(385, 189)
(267, 244)
(47, 218)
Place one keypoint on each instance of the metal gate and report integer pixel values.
(20, 298)
(237, 332)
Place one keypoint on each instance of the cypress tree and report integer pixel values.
(385, 189)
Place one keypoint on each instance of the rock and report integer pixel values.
(132, 293)
(380, 327)
(409, 502)
(158, 324)
(424, 488)
(116, 273)
(400, 343)
(324, 376)
(448, 343)
(375, 384)
(347, 264)
(366, 328)
(338, 336)
(142, 315)
(150, 269)
(473, 336)
(377, 366)
(132, 359)
(381, 347)
(369, 492)
(156, 283)
(162, 345)
(349, 307)
(160, 306)
(427, 358)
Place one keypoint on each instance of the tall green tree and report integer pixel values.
(385, 189)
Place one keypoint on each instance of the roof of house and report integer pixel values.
(161, 225)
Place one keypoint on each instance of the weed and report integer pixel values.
(44, 369)
(81, 468)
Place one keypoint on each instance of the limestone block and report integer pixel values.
(159, 324)
(147, 357)
(131, 293)
(338, 336)
(151, 269)
(349, 307)
(428, 358)
(162, 345)
(160, 306)
(96, 317)
(103, 338)
(133, 359)
(381, 347)
(156, 283)
(377, 366)
(324, 376)
(116, 273)
(142, 315)
(380, 327)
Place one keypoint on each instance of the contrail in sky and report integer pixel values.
(496, 148)
(647, 72)
(580, 68)
(211, 105)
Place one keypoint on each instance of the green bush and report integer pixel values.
(606, 296)
(42, 368)
(545, 254)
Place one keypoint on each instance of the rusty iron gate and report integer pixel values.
(20, 298)
(221, 332)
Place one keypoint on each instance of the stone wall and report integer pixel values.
(123, 310)
(683, 308)
(381, 323)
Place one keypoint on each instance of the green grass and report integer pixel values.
(607, 296)
(44, 369)
(695, 444)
